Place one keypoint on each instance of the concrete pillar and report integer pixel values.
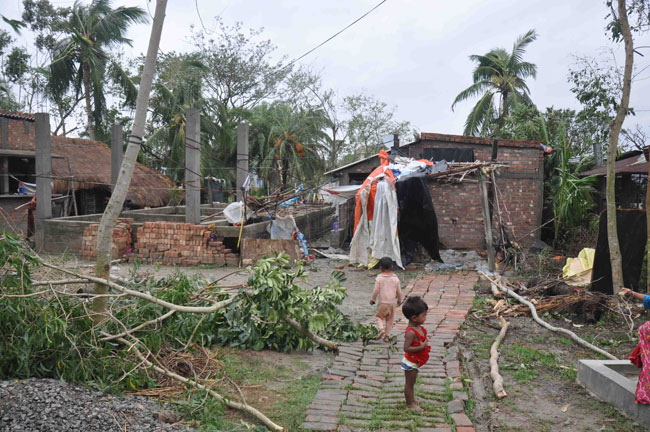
(117, 152)
(192, 166)
(242, 158)
(43, 176)
(4, 138)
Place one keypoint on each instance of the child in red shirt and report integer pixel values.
(416, 346)
(387, 287)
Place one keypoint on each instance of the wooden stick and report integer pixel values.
(544, 324)
(497, 379)
(61, 282)
(487, 220)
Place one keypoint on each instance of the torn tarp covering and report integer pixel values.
(376, 238)
(376, 213)
(417, 218)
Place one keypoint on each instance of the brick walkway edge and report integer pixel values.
(363, 389)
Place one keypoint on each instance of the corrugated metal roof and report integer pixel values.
(632, 165)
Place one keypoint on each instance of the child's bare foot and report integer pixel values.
(414, 407)
(386, 338)
(381, 334)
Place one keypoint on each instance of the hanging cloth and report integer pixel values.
(384, 240)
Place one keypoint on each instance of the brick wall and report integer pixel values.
(122, 240)
(12, 220)
(20, 134)
(520, 197)
(172, 243)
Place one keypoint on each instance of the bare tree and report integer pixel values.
(114, 207)
(616, 126)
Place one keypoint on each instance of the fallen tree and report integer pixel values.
(544, 324)
(50, 332)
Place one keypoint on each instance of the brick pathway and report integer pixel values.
(363, 389)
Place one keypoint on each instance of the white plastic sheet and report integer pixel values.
(233, 213)
(384, 240)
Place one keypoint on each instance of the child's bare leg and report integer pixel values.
(389, 326)
(381, 327)
(409, 391)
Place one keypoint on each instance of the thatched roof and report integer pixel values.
(88, 163)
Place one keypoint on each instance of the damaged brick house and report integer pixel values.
(458, 205)
(79, 166)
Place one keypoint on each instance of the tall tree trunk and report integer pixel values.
(89, 109)
(114, 207)
(598, 153)
(617, 124)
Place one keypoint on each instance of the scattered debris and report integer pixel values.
(457, 260)
(496, 281)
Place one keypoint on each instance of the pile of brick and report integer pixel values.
(171, 243)
(122, 239)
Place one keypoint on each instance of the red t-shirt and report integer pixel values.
(421, 357)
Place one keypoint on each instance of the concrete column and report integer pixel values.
(117, 152)
(192, 166)
(4, 138)
(242, 158)
(43, 176)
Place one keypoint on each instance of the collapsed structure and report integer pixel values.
(516, 189)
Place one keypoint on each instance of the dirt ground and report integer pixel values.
(539, 372)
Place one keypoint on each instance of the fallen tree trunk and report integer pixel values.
(544, 324)
(224, 400)
(497, 379)
(314, 337)
(171, 306)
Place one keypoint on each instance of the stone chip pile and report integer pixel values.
(49, 405)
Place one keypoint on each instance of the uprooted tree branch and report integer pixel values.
(145, 316)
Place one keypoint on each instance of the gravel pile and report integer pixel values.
(48, 405)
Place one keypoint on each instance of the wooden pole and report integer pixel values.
(487, 220)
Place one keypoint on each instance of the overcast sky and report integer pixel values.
(410, 53)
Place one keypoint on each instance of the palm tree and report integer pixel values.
(81, 59)
(286, 143)
(499, 80)
(177, 88)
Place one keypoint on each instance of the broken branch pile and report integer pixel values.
(557, 303)
(502, 286)
(459, 170)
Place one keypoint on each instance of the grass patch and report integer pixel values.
(526, 363)
(297, 396)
